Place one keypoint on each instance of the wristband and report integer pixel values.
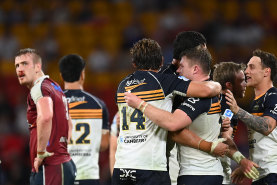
(237, 156)
(140, 104)
(43, 155)
(144, 108)
(199, 142)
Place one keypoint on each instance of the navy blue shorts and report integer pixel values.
(270, 179)
(87, 182)
(200, 180)
(61, 174)
(140, 177)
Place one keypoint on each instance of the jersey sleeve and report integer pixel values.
(193, 107)
(175, 85)
(271, 106)
(105, 116)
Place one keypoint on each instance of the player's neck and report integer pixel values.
(73, 85)
(262, 88)
(37, 76)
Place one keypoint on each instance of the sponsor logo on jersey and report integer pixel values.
(133, 139)
(134, 82)
(127, 173)
(75, 99)
(56, 87)
(274, 111)
(189, 106)
(193, 100)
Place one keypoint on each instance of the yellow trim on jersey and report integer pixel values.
(257, 97)
(145, 95)
(74, 104)
(129, 88)
(215, 108)
(258, 114)
(86, 113)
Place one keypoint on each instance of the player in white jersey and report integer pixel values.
(205, 114)
(90, 133)
(140, 155)
(230, 75)
(183, 41)
(260, 74)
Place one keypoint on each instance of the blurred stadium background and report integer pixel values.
(102, 31)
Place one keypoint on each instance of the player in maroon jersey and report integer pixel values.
(49, 123)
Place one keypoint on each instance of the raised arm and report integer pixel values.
(264, 125)
(203, 89)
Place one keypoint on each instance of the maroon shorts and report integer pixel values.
(61, 174)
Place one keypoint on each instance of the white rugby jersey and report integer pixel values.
(263, 149)
(89, 118)
(141, 143)
(205, 115)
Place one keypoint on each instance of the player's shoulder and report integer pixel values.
(40, 84)
(272, 91)
(140, 80)
(83, 99)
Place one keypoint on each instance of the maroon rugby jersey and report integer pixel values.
(45, 87)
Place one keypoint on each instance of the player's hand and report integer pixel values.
(249, 168)
(226, 124)
(232, 102)
(219, 149)
(132, 100)
(237, 176)
(39, 159)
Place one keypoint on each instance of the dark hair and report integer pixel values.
(268, 60)
(37, 57)
(226, 72)
(200, 56)
(187, 40)
(146, 54)
(71, 67)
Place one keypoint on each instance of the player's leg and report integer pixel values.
(61, 174)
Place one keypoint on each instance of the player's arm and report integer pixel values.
(44, 125)
(44, 122)
(264, 125)
(104, 140)
(113, 146)
(188, 138)
(249, 168)
(70, 126)
(164, 119)
(113, 140)
(203, 89)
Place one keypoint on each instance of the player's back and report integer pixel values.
(141, 143)
(89, 116)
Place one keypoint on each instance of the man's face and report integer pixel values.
(185, 69)
(239, 85)
(254, 72)
(26, 69)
